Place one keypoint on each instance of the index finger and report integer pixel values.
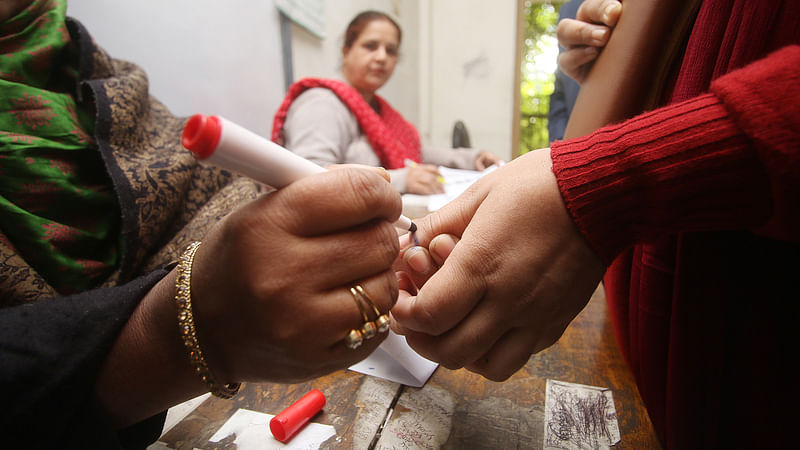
(573, 34)
(337, 199)
(431, 169)
(443, 302)
(452, 292)
(377, 169)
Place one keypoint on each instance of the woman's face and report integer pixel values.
(369, 62)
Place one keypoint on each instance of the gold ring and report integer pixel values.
(369, 329)
(354, 339)
(382, 320)
(356, 336)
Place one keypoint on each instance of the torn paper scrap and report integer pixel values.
(251, 429)
(577, 416)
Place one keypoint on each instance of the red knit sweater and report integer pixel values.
(696, 206)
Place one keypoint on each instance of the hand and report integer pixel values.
(424, 179)
(270, 283)
(415, 264)
(509, 288)
(485, 159)
(584, 36)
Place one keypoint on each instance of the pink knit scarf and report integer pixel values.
(392, 138)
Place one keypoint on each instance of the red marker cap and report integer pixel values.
(291, 419)
(201, 135)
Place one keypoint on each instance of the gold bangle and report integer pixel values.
(183, 299)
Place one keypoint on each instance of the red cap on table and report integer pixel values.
(291, 419)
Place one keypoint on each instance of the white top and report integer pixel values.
(322, 129)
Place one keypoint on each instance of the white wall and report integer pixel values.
(456, 63)
(201, 56)
(471, 71)
(456, 59)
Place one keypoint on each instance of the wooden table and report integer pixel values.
(455, 409)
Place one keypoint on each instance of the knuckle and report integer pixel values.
(586, 33)
(497, 374)
(502, 371)
(390, 288)
(451, 361)
(427, 319)
(389, 243)
(368, 194)
(286, 332)
(371, 192)
(581, 11)
(379, 246)
(562, 60)
(450, 366)
(591, 10)
(562, 30)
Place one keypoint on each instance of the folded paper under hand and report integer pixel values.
(395, 360)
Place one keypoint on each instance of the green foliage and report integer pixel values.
(538, 72)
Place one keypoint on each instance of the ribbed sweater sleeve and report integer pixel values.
(727, 160)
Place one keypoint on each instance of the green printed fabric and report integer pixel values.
(57, 204)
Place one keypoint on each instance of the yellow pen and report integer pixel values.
(412, 163)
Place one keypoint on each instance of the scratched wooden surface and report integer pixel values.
(491, 415)
(455, 409)
(349, 417)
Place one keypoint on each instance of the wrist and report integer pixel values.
(188, 331)
(146, 370)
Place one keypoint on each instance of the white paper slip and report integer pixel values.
(395, 360)
(251, 429)
(456, 181)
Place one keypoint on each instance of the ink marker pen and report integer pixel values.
(226, 144)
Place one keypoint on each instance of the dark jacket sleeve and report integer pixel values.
(50, 354)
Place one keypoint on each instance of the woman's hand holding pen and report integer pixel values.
(424, 179)
(271, 282)
(509, 287)
(485, 159)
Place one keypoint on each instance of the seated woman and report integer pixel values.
(334, 122)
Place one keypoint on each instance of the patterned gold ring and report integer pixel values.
(354, 339)
(369, 329)
(382, 320)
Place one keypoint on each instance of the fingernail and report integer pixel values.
(599, 35)
(442, 246)
(418, 260)
(610, 9)
(385, 174)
